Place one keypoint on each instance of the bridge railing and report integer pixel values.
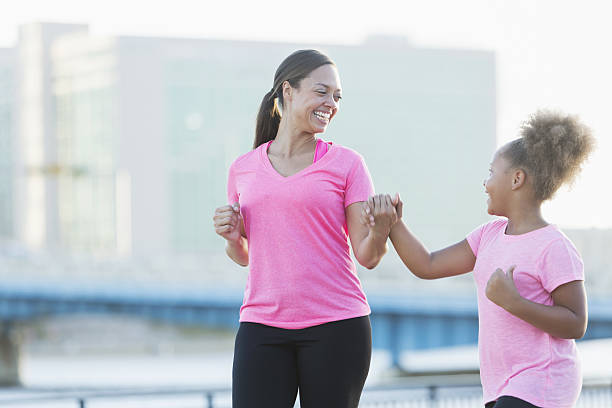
(432, 396)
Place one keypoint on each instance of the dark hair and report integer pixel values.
(293, 69)
(551, 150)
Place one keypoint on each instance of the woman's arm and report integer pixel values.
(230, 225)
(567, 318)
(369, 242)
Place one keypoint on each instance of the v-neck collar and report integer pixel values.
(268, 164)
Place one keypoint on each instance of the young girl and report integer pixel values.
(529, 276)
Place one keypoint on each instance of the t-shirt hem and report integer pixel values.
(357, 200)
(302, 325)
(532, 400)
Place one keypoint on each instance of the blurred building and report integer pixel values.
(36, 165)
(594, 247)
(125, 141)
(7, 135)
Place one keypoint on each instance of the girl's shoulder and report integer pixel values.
(494, 226)
(555, 240)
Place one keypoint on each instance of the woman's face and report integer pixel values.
(316, 101)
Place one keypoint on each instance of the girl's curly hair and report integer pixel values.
(551, 150)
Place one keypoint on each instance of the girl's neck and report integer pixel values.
(525, 219)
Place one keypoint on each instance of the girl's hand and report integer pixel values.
(228, 220)
(501, 289)
(398, 204)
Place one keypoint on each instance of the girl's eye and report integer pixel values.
(337, 98)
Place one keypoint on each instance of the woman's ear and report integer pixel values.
(287, 91)
(519, 178)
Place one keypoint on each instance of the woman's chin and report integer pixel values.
(319, 129)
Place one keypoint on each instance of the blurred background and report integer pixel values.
(119, 120)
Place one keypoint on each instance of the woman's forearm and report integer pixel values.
(238, 251)
(558, 321)
(372, 248)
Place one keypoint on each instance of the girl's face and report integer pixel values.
(316, 101)
(498, 185)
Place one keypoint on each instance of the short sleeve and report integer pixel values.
(232, 189)
(560, 263)
(359, 186)
(475, 237)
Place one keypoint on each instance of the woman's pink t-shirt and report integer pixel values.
(301, 273)
(516, 358)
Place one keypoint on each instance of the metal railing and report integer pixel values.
(432, 396)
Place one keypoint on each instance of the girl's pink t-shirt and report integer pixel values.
(516, 358)
(301, 273)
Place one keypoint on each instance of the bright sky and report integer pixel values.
(550, 53)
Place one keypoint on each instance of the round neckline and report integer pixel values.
(524, 234)
(268, 164)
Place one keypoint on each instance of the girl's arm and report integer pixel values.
(567, 318)
(369, 242)
(453, 260)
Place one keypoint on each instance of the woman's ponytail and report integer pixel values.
(268, 119)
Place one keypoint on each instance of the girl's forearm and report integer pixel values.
(558, 321)
(238, 251)
(411, 251)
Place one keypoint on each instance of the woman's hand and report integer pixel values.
(381, 212)
(228, 222)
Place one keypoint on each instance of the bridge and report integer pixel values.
(399, 322)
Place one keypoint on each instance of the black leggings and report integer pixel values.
(329, 364)
(509, 402)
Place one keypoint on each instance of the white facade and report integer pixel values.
(7, 141)
(36, 159)
(145, 129)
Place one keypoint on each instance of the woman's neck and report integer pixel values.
(290, 141)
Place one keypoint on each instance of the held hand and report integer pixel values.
(501, 289)
(227, 220)
(379, 214)
(367, 210)
(366, 214)
(398, 204)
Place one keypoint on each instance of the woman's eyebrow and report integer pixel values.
(326, 86)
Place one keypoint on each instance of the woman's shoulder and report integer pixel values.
(248, 158)
(349, 155)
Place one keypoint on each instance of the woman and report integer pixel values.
(294, 203)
